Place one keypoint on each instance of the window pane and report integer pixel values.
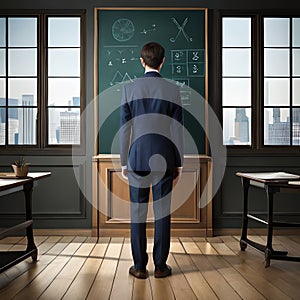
(64, 126)
(2, 63)
(236, 126)
(277, 126)
(63, 91)
(236, 32)
(22, 126)
(296, 62)
(276, 32)
(68, 37)
(296, 126)
(236, 62)
(277, 92)
(2, 90)
(2, 32)
(64, 62)
(2, 125)
(277, 62)
(24, 90)
(296, 91)
(236, 91)
(22, 62)
(296, 32)
(22, 32)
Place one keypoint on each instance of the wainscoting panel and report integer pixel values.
(111, 198)
(57, 200)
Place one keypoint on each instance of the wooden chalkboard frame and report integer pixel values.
(97, 45)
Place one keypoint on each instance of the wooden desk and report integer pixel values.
(272, 183)
(12, 185)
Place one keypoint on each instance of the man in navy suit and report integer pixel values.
(151, 142)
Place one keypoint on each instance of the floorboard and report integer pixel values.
(77, 267)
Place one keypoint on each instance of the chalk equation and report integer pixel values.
(121, 55)
(188, 62)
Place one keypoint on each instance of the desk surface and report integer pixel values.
(270, 177)
(10, 182)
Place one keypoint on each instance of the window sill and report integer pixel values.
(266, 151)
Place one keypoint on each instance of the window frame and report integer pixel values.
(42, 85)
(257, 147)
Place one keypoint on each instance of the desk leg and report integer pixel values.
(269, 248)
(269, 251)
(243, 240)
(31, 247)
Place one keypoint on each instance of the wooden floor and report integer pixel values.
(203, 268)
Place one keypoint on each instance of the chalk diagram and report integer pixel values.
(120, 78)
(180, 30)
(123, 30)
(146, 30)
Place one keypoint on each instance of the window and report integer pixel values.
(40, 81)
(63, 80)
(281, 81)
(18, 99)
(261, 81)
(236, 81)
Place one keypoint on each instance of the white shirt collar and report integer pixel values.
(148, 69)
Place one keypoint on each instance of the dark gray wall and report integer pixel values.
(60, 201)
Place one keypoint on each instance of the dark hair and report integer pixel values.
(153, 54)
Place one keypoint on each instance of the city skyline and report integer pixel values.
(276, 129)
(64, 123)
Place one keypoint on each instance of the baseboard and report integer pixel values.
(63, 231)
(174, 233)
(256, 231)
(113, 232)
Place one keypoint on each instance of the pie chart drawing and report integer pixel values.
(123, 30)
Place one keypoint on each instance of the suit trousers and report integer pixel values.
(140, 184)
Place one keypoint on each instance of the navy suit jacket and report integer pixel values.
(151, 124)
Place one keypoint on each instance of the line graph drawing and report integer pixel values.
(180, 30)
(145, 31)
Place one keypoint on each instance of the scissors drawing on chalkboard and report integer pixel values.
(180, 29)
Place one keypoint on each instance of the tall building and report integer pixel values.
(241, 125)
(27, 121)
(2, 128)
(296, 126)
(69, 127)
(278, 132)
(64, 127)
(2, 121)
(53, 123)
(13, 121)
(76, 101)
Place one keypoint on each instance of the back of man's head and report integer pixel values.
(153, 55)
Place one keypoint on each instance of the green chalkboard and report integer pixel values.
(120, 35)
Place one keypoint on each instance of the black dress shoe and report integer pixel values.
(160, 273)
(142, 274)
